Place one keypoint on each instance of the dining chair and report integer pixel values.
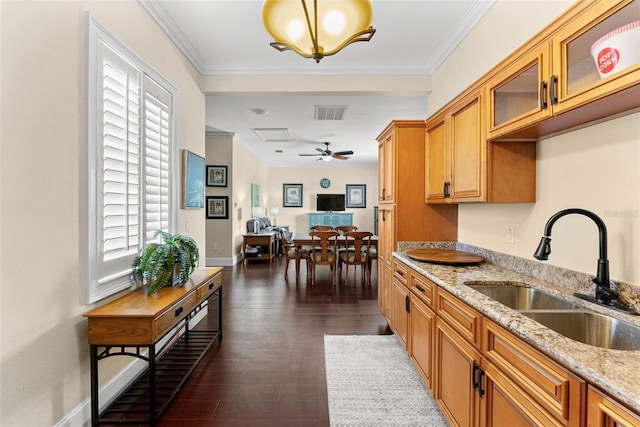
(359, 245)
(322, 228)
(324, 246)
(346, 228)
(293, 254)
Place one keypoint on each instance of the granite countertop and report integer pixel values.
(615, 371)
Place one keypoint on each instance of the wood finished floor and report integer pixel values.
(269, 368)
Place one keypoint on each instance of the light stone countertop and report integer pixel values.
(615, 371)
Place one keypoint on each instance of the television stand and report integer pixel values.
(333, 219)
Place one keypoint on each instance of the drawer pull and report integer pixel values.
(420, 288)
(179, 311)
(401, 273)
(210, 285)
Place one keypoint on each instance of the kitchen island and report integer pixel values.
(615, 371)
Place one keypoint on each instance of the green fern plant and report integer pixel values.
(154, 266)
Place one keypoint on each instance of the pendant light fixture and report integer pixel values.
(317, 28)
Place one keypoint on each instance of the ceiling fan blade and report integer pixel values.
(314, 155)
(320, 150)
(339, 156)
(343, 153)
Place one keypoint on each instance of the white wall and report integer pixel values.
(44, 354)
(219, 247)
(594, 168)
(297, 218)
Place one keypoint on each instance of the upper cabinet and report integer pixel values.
(461, 166)
(455, 153)
(387, 170)
(583, 67)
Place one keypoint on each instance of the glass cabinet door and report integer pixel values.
(518, 95)
(602, 57)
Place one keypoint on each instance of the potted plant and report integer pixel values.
(170, 262)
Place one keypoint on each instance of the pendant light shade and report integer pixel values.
(317, 28)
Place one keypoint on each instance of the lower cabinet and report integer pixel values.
(422, 322)
(481, 374)
(457, 376)
(602, 411)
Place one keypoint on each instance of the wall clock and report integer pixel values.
(325, 183)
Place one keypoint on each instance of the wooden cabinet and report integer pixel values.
(456, 376)
(521, 377)
(402, 212)
(552, 83)
(602, 411)
(401, 308)
(456, 153)
(463, 167)
(386, 178)
(422, 322)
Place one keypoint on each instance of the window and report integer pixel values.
(131, 160)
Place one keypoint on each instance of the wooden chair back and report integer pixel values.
(342, 229)
(359, 243)
(322, 228)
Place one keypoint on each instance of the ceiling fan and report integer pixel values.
(327, 154)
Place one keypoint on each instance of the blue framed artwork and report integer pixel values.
(193, 175)
(255, 195)
(356, 196)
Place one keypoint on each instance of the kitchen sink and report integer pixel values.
(519, 296)
(590, 328)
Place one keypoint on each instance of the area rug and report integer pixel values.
(372, 382)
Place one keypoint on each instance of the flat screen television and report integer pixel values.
(330, 202)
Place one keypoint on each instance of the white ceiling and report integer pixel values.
(226, 37)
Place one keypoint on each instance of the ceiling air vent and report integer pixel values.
(329, 112)
(273, 134)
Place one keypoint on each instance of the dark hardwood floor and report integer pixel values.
(269, 368)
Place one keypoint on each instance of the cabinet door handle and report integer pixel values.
(553, 90)
(407, 304)
(444, 189)
(474, 375)
(480, 388)
(543, 98)
(179, 311)
(420, 288)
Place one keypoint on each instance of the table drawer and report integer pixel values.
(257, 241)
(208, 287)
(174, 314)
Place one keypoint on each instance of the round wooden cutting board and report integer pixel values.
(445, 256)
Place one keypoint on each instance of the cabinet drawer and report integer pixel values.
(423, 288)
(604, 411)
(400, 272)
(549, 384)
(207, 288)
(465, 320)
(174, 314)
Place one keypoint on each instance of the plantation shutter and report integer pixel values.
(157, 134)
(119, 189)
(130, 160)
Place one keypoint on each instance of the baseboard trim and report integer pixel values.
(80, 416)
(223, 262)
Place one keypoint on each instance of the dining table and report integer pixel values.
(300, 240)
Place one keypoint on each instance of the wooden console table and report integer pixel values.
(133, 325)
(267, 239)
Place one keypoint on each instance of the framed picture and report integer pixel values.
(292, 195)
(255, 195)
(192, 180)
(216, 176)
(356, 196)
(217, 207)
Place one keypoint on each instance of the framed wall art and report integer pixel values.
(216, 176)
(217, 207)
(193, 171)
(292, 195)
(356, 196)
